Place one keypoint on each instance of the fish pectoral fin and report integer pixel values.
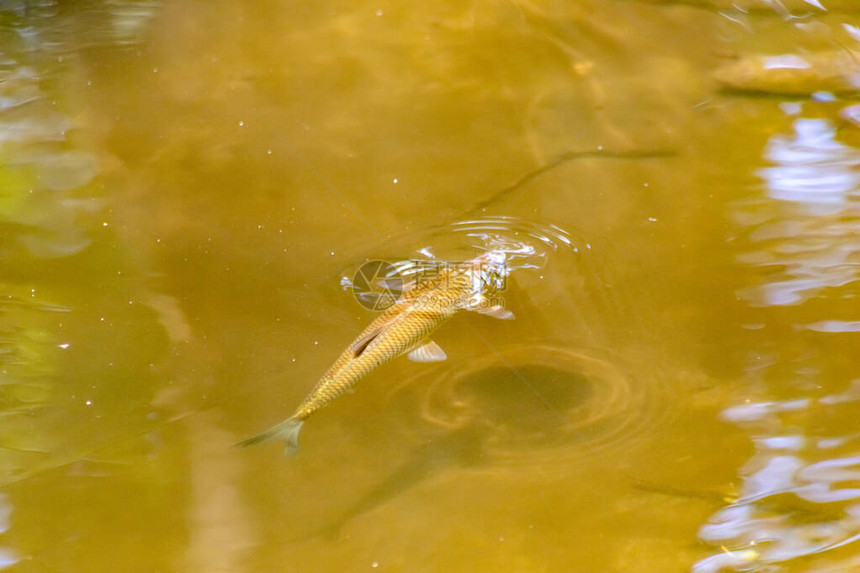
(496, 312)
(427, 352)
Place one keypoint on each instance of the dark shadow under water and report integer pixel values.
(462, 448)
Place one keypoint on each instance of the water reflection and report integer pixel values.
(8, 557)
(45, 182)
(810, 238)
(51, 213)
(800, 497)
(801, 492)
(50, 192)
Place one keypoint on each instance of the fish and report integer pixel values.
(404, 328)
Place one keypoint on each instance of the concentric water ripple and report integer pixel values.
(526, 244)
(539, 406)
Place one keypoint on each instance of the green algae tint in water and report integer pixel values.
(184, 184)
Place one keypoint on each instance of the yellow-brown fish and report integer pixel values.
(402, 328)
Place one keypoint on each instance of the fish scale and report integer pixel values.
(400, 329)
(349, 369)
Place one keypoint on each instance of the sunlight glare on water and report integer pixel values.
(798, 499)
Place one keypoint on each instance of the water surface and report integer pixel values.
(186, 185)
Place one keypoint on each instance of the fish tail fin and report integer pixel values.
(287, 430)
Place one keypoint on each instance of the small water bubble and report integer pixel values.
(379, 12)
(89, 402)
(652, 219)
(241, 124)
(63, 346)
(395, 180)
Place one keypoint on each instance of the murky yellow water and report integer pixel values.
(184, 186)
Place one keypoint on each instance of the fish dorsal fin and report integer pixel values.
(496, 312)
(361, 343)
(427, 352)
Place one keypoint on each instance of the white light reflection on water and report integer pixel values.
(799, 504)
(812, 241)
(7, 556)
(800, 496)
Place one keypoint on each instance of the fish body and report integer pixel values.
(402, 328)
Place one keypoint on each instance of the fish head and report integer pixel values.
(489, 272)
